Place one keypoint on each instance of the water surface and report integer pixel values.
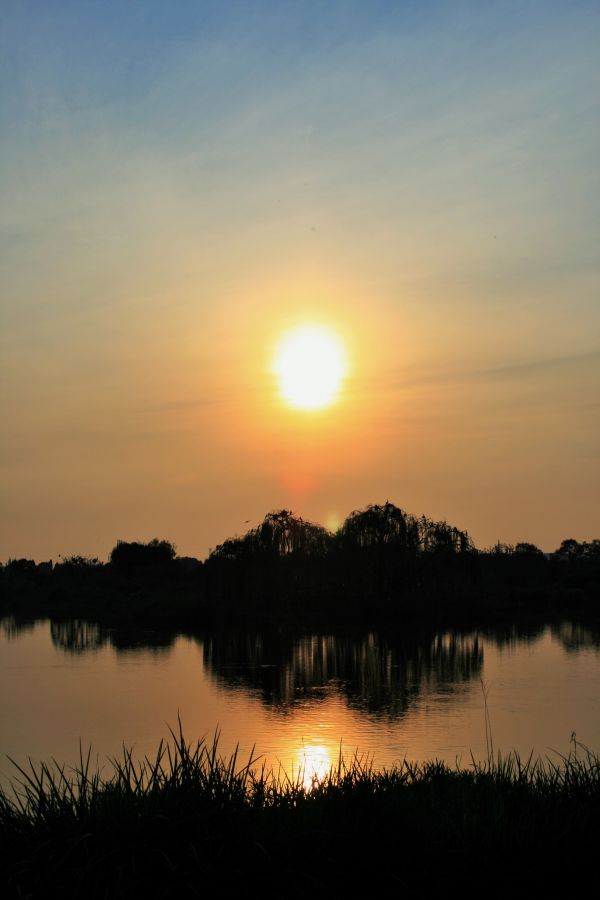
(297, 699)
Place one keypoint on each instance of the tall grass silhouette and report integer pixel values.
(188, 819)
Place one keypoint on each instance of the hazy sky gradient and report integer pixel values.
(183, 181)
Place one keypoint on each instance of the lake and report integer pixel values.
(297, 699)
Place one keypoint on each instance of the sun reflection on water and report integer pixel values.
(314, 764)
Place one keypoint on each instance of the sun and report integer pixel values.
(310, 365)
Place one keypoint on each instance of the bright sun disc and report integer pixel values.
(310, 365)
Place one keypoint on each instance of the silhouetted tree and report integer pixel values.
(79, 564)
(569, 547)
(592, 549)
(528, 549)
(436, 537)
(129, 557)
(382, 562)
(376, 526)
(20, 566)
(500, 549)
(280, 533)
(388, 525)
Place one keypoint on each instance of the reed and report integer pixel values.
(188, 819)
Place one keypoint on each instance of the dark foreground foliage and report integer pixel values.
(189, 823)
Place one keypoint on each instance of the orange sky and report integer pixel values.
(424, 188)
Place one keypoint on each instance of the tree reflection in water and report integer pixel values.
(575, 637)
(78, 636)
(370, 671)
(12, 628)
(376, 673)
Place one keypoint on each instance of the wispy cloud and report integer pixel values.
(409, 377)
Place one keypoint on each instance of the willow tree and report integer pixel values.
(285, 533)
(435, 537)
(280, 533)
(377, 526)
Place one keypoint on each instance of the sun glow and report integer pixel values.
(314, 765)
(310, 365)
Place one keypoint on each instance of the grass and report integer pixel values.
(188, 821)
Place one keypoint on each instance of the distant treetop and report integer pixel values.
(126, 556)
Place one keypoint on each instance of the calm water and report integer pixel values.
(296, 699)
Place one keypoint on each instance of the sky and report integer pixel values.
(184, 182)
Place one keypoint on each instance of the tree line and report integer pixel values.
(382, 561)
